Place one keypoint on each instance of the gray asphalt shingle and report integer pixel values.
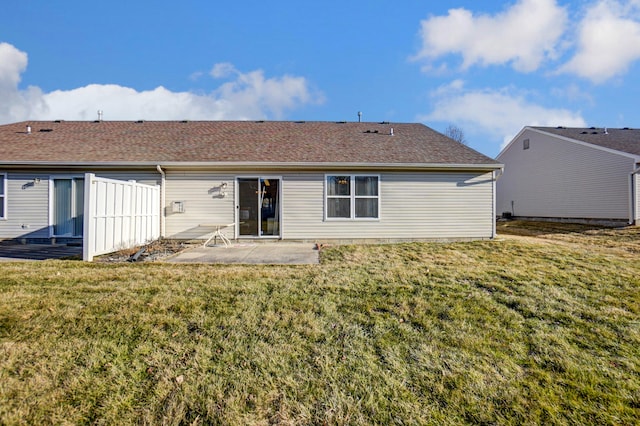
(624, 140)
(130, 142)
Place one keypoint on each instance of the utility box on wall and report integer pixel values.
(177, 207)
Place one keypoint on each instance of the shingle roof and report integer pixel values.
(624, 140)
(192, 142)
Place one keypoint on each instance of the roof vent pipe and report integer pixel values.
(391, 131)
(359, 116)
(605, 131)
(28, 129)
(99, 115)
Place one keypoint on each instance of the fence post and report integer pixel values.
(88, 235)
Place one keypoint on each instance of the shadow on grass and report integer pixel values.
(539, 228)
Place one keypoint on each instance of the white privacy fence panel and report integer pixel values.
(118, 215)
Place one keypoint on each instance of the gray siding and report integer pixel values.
(28, 202)
(27, 206)
(413, 206)
(202, 203)
(556, 178)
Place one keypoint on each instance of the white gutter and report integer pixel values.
(632, 196)
(235, 165)
(162, 198)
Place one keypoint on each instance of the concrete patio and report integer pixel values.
(276, 253)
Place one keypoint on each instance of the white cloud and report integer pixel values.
(608, 41)
(523, 35)
(223, 69)
(13, 63)
(573, 93)
(251, 93)
(500, 114)
(15, 103)
(248, 96)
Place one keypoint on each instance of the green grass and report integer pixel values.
(542, 330)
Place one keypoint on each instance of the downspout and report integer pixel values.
(496, 175)
(162, 198)
(632, 196)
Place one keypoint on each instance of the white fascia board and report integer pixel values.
(515, 138)
(257, 165)
(334, 166)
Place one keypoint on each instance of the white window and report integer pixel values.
(3, 195)
(352, 196)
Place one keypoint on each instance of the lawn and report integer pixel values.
(543, 329)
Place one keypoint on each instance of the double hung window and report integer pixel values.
(352, 196)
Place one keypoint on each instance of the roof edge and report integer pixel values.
(568, 139)
(257, 165)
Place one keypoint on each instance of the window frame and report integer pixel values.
(352, 197)
(3, 196)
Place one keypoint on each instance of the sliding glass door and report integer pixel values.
(68, 207)
(259, 207)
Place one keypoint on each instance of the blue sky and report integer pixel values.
(488, 67)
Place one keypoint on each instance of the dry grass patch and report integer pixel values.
(620, 240)
(498, 332)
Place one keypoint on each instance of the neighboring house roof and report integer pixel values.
(624, 140)
(220, 142)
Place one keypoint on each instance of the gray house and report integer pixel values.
(576, 174)
(310, 181)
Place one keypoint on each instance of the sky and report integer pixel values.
(487, 67)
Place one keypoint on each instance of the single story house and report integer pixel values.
(572, 174)
(311, 181)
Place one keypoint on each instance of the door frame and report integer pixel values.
(52, 178)
(237, 207)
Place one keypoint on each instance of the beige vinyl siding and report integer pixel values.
(413, 206)
(557, 178)
(202, 203)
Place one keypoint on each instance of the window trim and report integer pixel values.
(352, 198)
(5, 214)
